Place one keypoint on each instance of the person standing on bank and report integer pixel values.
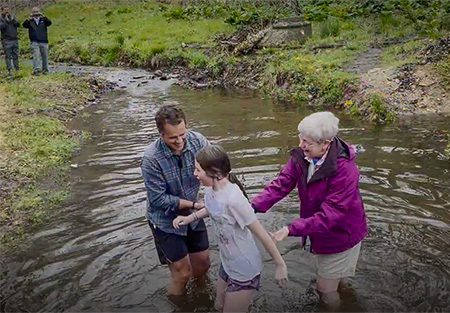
(172, 189)
(332, 213)
(37, 31)
(10, 40)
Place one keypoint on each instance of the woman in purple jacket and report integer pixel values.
(332, 212)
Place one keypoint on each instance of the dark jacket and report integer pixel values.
(37, 33)
(8, 28)
(332, 212)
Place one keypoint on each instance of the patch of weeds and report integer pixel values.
(352, 108)
(157, 49)
(36, 146)
(332, 86)
(233, 13)
(353, 37)
(394, 26)
(388, 21)
(35, 207)
(401, 54)
(124, 11)
(379, 111)
(197, 59)
(40, 143)
(330, 27)
(85, 136)
(307, 77)
(447, 149)
(216, 66)
(443, 68)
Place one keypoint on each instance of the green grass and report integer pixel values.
(400, 54)
(314, 72)
(379, 111)
(107, 33)
(391, 26)
(443, 68)
(36, 147)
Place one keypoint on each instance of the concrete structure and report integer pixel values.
(286, 31)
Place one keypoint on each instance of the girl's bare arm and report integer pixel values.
(185, 220)
(258, 230)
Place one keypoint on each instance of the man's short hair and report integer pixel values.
(169, 114)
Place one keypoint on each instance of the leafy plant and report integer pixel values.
(379, 110)
(330, 27)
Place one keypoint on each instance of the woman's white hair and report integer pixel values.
(319, 126)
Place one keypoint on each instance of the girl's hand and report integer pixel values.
(281, 275)
(180, 221)
(199, 205)
(280, 234)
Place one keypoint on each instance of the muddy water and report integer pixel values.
(98, 253)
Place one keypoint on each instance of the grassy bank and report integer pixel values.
(36, 147)
(133, 33)
(154, 35)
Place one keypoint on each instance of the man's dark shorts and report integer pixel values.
(172, 248)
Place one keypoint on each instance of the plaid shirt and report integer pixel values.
(169, 177)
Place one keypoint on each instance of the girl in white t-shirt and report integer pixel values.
(235, 224)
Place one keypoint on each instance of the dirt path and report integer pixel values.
(411, 89)
(414, 89)
(365, 62)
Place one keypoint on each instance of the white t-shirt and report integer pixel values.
(230, 213)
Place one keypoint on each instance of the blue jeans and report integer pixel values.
(11, 48)
(40, 52)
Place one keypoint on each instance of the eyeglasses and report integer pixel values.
(308, 143)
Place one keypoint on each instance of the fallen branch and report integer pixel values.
(328, 46)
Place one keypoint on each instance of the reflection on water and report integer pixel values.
(98, 254)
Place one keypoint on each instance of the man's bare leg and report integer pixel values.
(180, 272)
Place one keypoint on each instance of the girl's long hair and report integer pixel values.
(215, 162)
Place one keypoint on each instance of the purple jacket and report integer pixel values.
(332, 212)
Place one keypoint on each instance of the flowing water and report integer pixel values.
(97, 254)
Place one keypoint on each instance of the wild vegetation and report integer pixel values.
(36, 146)
(193, 34)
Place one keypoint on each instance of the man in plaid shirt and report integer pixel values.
(168, 171)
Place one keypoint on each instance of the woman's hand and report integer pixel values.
(181, 221)
(280, 234)
(281, 275)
